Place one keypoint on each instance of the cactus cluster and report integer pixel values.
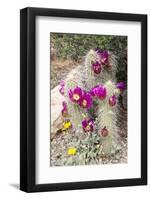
(91, 95)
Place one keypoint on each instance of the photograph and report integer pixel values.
(88, 99)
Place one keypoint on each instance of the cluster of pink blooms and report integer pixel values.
(81, 97)
(103, 61)
(85, 100)
(98, 91)
(88, 126)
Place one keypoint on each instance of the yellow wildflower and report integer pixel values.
(66, 125)
(72, 151)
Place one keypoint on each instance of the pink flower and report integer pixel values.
(104, 57)
(99, 92)
(75, 94)
(88, 125)
(112, 100)
(93, 91)
(86, 100)
(97, 67)
(121, 86)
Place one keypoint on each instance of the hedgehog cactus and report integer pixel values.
(101, 68)
(91, 59)
(94, 86)
(107, 111)
(72, 90)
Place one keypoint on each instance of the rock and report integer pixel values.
(56, 107)
(56, 102)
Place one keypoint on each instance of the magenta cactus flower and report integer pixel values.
(88, 125)
(121, 86)
(86, 101)
(75, 94)
(112, 100)
(93, 91)
(99, 92)
(97, 67)
(98, 51)
(104, 57)
(64, 110)
(62, 85)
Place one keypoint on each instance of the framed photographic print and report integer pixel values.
(83, 99)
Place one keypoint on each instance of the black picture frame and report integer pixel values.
(28, 99)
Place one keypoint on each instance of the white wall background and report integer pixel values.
(9, 99)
